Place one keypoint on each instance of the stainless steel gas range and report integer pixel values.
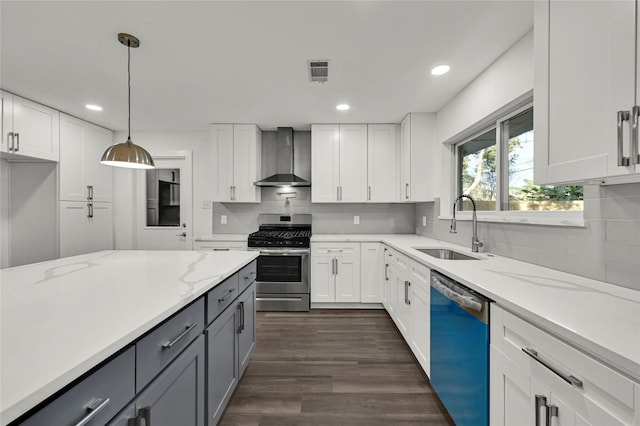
(282, 280)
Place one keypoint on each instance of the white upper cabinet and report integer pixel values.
(29, 129)
(383, 160)
(236, 156)
(339, 163)
(82, 176)
(585, 73)
(417, 136)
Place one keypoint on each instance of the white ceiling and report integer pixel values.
(202, 62)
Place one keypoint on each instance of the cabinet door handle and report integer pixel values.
(90, 210)
(169, 345)
(337, 193)
(228, 295)
(10, 141)
(622, 117)
(241, 316)
(541, 401)
(572, 380)
(406, 293)
(93, 409)
(90, 192)
(406, 191)
(221, 249)
(386, 272)
(552, 411)
(17, 136)
(635, 116)
(368, 193)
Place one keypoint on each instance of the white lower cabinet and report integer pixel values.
(371, 275)
(335, 272)
(85, 227)
(406, 297)
(538, 380)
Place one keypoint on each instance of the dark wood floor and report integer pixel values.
(332, 367)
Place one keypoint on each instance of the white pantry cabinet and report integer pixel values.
(534, 375)
(339, 163)
(372, 272)
(383, 175)
(236, 156)
(417, 138)
(585, 54)
(335, 272)
(81, 175)
(29, 130)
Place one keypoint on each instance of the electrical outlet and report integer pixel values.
(206, 204)
(356, 220)
(223, 219)
(424, 221)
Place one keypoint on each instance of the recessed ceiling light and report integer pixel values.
(343, 107)
(93, 107)
(440, 69)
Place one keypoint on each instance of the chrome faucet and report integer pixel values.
(475, 243)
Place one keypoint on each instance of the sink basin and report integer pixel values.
(444, 253)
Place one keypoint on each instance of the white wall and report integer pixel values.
(607, 248)
(504, 84)
(123, 199)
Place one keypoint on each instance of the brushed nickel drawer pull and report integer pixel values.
(168, 345)
(93, 408)
(229, 292)
(572, 380)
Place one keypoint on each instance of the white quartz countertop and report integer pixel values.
(63, 317)
(599, 318)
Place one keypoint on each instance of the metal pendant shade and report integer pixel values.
(127, 154)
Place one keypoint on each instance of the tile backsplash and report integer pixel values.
(330, 218)
(606, 249)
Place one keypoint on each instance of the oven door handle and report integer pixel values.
(281, 252)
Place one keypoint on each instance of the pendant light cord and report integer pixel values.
(129, 86)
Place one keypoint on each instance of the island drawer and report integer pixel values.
(157, 349)
(99, 396)
(247, 275)
(222, 296)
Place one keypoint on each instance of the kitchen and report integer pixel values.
(601, 245)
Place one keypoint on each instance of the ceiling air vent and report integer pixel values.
(318, 71)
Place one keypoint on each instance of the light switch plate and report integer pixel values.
(356, 220)
(206, 204)
(223, 219)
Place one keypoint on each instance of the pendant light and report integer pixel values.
(128, 154)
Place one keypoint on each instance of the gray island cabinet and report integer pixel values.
(162, 375)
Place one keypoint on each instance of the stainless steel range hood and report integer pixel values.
(285, 175)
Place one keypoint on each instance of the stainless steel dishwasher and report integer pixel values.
(460, 350)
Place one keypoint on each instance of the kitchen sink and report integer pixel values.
(444, 253)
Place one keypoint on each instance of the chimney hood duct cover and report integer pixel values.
(284, 176)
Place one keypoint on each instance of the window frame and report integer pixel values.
(502, 214)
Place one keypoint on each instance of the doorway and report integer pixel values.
(164, 203)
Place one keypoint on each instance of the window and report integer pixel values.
(495, 167)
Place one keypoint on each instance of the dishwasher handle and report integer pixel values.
(466, 301)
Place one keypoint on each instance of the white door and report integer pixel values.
(382, 152)
(169, 227)
(372, 270)
(353, 163)
(39, 129)
(322, 279)
(347, 279)
(324, 162)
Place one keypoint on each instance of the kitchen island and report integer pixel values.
(62, 318)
